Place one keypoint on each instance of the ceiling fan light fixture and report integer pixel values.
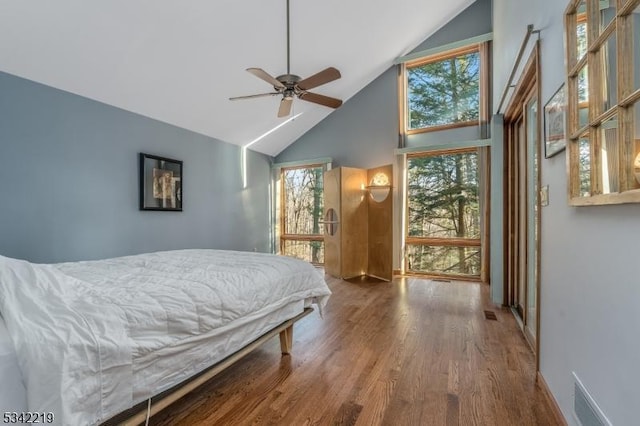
(290, 85)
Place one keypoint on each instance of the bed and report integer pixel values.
(94, 338)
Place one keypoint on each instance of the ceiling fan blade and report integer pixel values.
(262, 74)
(285, 107)
(254, 96)
(321, 99)
(318, 79)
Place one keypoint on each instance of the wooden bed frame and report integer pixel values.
(138, 414)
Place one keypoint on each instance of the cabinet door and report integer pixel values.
(354, 221)
(380, 263)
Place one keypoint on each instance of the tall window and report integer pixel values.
(603, 73)
(443, 208)
(443, 91)
(301, 190)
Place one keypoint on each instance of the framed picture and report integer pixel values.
(555, 114)
(160, 183)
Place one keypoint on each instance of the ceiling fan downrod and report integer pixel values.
(288, 42)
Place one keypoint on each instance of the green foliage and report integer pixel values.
(444, 92)
(443, 202)
(438, 187)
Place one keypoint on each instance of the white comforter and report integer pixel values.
(81, 328)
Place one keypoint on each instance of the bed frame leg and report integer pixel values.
(286, 340)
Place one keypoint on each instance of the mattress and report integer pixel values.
(95, 338)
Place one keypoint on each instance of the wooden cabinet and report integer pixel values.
(357, 229)
(345, 251)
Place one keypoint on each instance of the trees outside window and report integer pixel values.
(444, 91)
(443, 213)
(301, 213)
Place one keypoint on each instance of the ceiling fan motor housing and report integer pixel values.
(288, 80)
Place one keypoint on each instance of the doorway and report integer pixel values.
(522, 202)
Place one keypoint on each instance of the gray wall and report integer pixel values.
(69, 181)
(590, 292)
(361, 133)
(364, 131)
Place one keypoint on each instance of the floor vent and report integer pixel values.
(490, 315)
(585, 408)
(441, 280)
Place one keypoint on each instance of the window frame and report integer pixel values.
(284, 237)
(621, 171)
(443, 241)
(483, 87)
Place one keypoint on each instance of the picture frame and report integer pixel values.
(161, 183)
(555, 123)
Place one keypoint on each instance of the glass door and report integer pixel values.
(523, 214)
(533, 211)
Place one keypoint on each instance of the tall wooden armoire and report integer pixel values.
(346, 223)
(357, 228)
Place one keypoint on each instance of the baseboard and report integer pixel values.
(557, 413)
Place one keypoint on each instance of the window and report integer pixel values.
(443, 235)
(443, 90)
(603, 72)
(301, 194)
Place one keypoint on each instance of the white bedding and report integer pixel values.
(94, 338)
(13, 397)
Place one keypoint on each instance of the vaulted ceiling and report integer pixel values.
(180, 61)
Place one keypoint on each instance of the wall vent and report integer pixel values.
(585, 409)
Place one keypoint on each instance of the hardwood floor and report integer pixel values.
(410, 352)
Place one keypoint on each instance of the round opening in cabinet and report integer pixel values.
(330, 222)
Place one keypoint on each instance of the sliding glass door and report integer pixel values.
(522, 203)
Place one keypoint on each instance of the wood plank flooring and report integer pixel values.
(409, 352)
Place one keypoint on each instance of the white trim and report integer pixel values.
(323, 160)
(439, 147)
(444, 48)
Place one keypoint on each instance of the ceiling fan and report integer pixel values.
(290, 85)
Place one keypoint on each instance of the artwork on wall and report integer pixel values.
(555, 112)
(160, 183)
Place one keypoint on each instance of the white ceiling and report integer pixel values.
(180, 61)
